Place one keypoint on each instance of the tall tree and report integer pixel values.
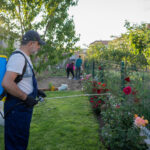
(139, 42)
(49, 17)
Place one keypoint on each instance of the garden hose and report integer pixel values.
(77, 96)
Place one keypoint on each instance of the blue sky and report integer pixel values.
(99, 19)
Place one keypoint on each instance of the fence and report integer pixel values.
(105, 71)
(114, 74)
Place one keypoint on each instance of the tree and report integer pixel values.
(139, 42)
(133, 47)
(49, 17)
(118, 49)
(95, 50)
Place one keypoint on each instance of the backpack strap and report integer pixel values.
(19, 77)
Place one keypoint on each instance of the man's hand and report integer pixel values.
(30, 101)
(41, 93)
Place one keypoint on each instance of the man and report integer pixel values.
(21, 94)
(78, 67)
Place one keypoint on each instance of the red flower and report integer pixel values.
(99, 83)
(104, 84)
(127, 90)
(99, 101)
(96, 105)
(106, 90)
(100, 68)
(127, 79)
(91, 101)
(98, 91)
(91, 98)
(95, 96)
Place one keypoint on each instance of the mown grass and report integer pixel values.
(63, 124)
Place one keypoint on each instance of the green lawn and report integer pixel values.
(63, 124)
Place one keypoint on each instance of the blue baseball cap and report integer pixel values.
(32, 35)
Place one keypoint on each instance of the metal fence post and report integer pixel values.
(85, 66)
(93, 69)
(122, 75)
(101, 73)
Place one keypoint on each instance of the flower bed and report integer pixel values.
(117, 113)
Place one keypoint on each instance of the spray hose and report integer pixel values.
(77, 96)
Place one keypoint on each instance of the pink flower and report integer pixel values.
(127, 79)
(99, 83)
(140, 121)
(127, 90)
(88, 76)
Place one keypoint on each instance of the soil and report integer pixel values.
(57, 81)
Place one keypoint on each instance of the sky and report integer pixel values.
(100, 19)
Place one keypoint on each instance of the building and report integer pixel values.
(105, 42)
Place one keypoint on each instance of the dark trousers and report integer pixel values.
(68, 72)
(78, 69)
(17, 125)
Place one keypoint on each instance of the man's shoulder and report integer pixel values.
(16, 57)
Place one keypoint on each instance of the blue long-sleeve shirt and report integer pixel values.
(78, 62)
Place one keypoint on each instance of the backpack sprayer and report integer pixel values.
(3, 95)
(3, 62)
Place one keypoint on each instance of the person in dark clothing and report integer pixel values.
(70, 68)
